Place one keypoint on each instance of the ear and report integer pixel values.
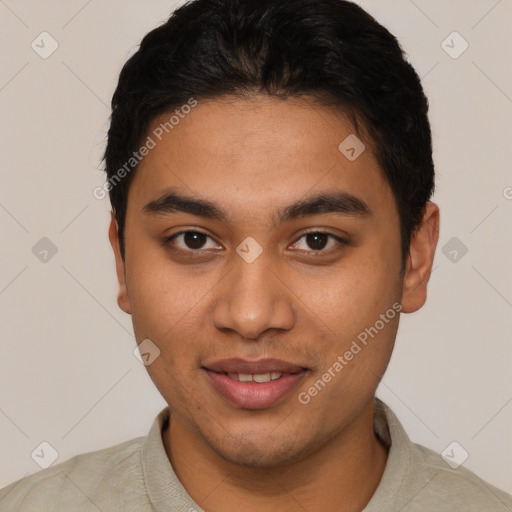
(418, 266)
(122, 295)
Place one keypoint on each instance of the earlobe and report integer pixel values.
(122, 295)
(420, 259)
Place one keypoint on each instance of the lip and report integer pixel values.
(253, 395)
(239, 365)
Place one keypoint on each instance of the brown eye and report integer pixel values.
(191, 241)
(318, 241)
(194, 240)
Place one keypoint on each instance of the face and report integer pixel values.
(257, 256)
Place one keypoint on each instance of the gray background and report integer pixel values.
(68, 375)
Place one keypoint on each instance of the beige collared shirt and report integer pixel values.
(137, 476)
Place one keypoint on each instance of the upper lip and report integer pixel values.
(238, 365)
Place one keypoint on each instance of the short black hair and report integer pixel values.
(330, 50)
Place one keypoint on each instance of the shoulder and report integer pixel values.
(417, 479)
(79, 480)
(445, 487)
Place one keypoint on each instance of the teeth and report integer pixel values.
(255, 377)
(261, 377)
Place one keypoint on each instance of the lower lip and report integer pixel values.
(254, 395)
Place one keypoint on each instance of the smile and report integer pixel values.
(256, 384)
(255, 377)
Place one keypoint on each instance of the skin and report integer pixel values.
(295, 302)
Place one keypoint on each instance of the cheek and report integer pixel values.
(352, 295)
(165, 298)
(168, 309)
(360, 307)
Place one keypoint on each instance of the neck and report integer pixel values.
(343, 474)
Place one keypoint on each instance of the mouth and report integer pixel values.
(259, 378)
(254, 384)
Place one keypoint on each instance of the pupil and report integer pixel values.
(194, 240)
(316, 240)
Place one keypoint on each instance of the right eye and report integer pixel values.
(190, 241)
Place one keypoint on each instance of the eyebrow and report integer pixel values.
(337, 202)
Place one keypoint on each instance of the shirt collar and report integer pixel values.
(391, 433)
(162, 485)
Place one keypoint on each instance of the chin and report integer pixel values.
(251, 451)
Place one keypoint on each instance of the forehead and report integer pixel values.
(252, 152)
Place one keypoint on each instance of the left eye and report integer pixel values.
(318, 241)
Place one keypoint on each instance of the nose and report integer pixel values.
(253, 299)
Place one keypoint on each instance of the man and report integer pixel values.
(270, 167)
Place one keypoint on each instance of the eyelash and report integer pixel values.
(167, 242)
